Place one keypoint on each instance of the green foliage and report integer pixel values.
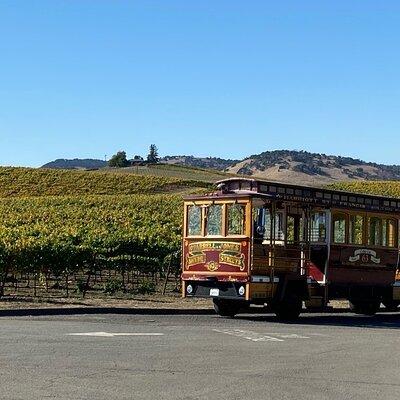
(80, 286)
(118, 160)
(146, 287)
(153, 154)
(113, 286)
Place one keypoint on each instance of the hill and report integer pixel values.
(216, 163)
(76, 163)
(299, 167)
(174, 171)
(29, 182)
(312, 168)
(279, 165)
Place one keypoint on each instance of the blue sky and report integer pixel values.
(223, 78)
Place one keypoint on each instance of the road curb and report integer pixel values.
(102, 310)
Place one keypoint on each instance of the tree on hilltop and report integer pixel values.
(153, 154)
(118, 160)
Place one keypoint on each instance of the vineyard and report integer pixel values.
(56, 238)
(20, 182)
(381, 188)
(175, 171)
(65, 233)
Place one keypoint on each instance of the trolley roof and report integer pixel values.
(302, 194)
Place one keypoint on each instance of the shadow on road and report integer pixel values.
(379, 321)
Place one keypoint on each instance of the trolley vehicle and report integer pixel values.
(267, 243)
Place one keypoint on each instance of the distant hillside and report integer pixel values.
(312, 168)
(76, 163)
(173, 171)
(219, 164)
(279, 165)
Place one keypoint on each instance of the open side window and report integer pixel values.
(269, 226)
(318, 226)
(294, 229)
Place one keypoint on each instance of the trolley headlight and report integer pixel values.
(241, 290)
(189, 289)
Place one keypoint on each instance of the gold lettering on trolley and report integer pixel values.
(229, 253)
(235, 261)
(195, 259)
(204, 246)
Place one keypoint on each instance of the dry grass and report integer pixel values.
(156, 301)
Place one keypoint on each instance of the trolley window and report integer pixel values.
(235, 214)
(356, 229)
(318, 227)
(339, 228)
(374, 231)
(263, 226)
(389, 234)
(214, 220)
(278, 228)
(194, 221)
(294, 229)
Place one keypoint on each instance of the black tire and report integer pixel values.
(370, 307)
(391, 305)
(289, 308)
(226, 308)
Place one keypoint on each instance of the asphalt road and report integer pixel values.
(328, 356)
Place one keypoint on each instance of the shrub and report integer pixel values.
(112, 286)
(80, 286)
(146, 287)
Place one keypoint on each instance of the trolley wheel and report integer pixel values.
(226, 308)
(289, 308)
(370, 307)
(391, 305)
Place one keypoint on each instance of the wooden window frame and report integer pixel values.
(382, 216)
(245, 217)
(203, 204)
(396, 232)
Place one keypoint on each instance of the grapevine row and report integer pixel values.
(28, 182)
(64, 235)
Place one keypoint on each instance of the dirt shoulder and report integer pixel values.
(150, 302)
(142, 302)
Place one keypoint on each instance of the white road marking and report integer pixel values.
(260, 337)
(289, 335)
(249, 335)
(110, 334)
